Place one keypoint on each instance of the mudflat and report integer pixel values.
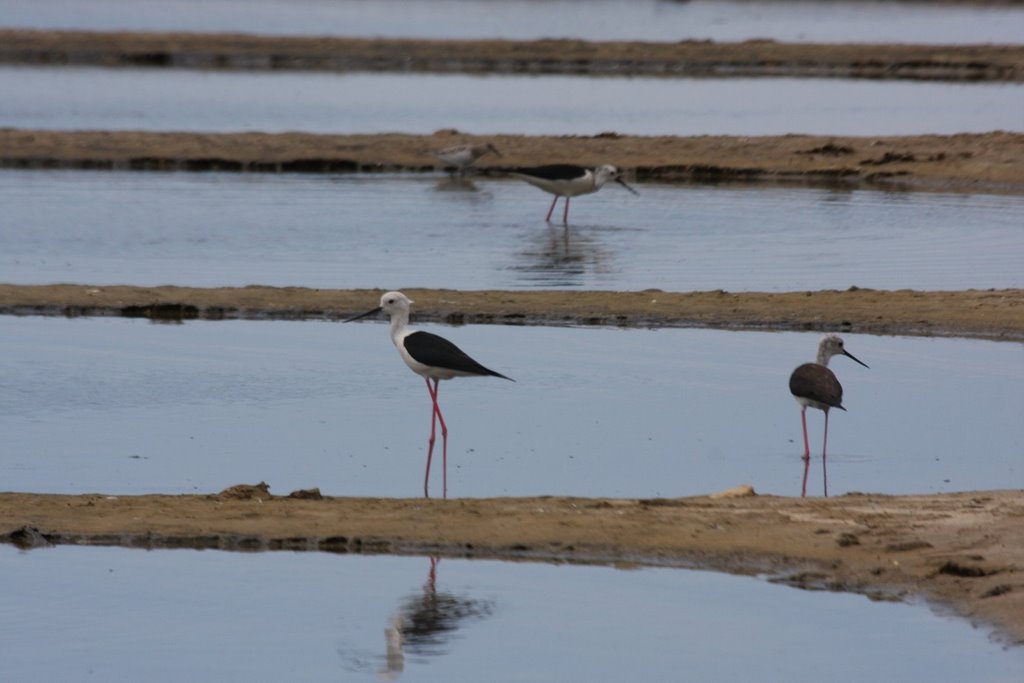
(969, 162)
(605, 58)
(991, 314)
(963, 551)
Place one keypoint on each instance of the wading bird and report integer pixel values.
(464, 156)
(566, 180)
(433, 358)
(814, 385)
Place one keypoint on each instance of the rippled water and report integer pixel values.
(81, 98)
(207, 229)
(126, 406)
(720, 20)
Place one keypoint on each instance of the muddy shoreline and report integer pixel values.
(988, 314)
(962, 551)
(757, 58)
(983, 162)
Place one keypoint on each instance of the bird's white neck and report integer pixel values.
(399, 323)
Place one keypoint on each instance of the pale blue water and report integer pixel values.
(126, 406)
(210, 229)
(81, 98)
(114, 614)
(651, 20)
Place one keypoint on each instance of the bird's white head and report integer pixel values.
(393, 303)
(603, 174)
(832, 345)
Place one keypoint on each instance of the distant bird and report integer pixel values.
(567, 180)
(432, 358)
(814, 385)
(464, 156)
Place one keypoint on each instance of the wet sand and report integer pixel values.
(990, 314)
(613, 58)
(962, 551)
(987, 162)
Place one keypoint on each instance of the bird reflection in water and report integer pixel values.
(425, 622)
(824, 474)
(456, 183)
(564, 257)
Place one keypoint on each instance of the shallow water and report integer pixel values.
(211, 229)
(651, 20)
(116, 614)
(127, 406)
(79, 98)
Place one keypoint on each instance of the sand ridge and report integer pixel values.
(972, 162)
(963, 551)
(687, 58)
(992, 314)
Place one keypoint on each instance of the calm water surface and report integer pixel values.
(126, 406)
(210, 229)
(720, 20)
(80, 98)
(116, 614)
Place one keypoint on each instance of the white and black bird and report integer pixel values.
(814, 385)
(568, 180)
(431, 357)
(463, 156)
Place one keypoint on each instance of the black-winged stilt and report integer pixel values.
(567, 180)
(814, 385)
(432, 358)
(464, 156)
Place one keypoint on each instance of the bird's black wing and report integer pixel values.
(430, 349)
(552, 171)
(817, 383)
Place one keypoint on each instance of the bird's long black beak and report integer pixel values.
(622, 182)
(374, 312)
(847, 353)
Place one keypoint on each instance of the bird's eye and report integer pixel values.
(390, 301)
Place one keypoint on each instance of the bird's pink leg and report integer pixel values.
(444, 446)
(803, 486)
(552, 209)
(824, 445)
(565, 215)
(444, 440)
(803, 421)
(430, 443)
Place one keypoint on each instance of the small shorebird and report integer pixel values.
(814, 385)
(567, 180)
(431, 357)
(464, 156)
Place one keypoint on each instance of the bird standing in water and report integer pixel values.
(433, 358)
(464, 156)
(814, 385)
(567, 180)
